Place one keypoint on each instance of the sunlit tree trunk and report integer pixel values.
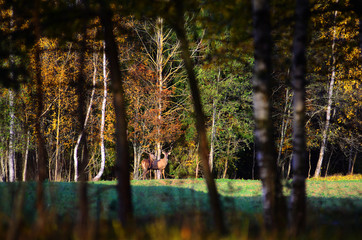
(179, 27)
(213, 126)
(11, 138)
(317, 172)
(26, 154)
(103, 120)
(125, 212)
(284, 127)
(273, 199)
(84, 122)
(298, 194)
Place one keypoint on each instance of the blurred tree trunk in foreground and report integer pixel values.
(179, 26)
(273, 199)
(298, 195)
(125, 209)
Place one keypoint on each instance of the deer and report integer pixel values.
(156, 165)
(147, 164)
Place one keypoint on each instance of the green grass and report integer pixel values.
(330, 203)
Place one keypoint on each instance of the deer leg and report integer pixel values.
(163, 173)
(144, 174)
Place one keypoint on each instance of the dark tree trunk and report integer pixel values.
(179, 27)
(42, 158)
(273, 199)
(122, 156)
(298, 195)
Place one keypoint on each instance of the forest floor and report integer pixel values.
(334, 207)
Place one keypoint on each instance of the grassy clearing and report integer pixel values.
(331, 204)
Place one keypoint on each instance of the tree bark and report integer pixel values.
(11, 138)
(317, 172)
(179, 26)
(273, 199)
(103, 120)
(81, 140)
(298, 194)
(125, 212)
(26, 154)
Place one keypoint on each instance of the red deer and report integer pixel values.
(156, 165)
(147, 164)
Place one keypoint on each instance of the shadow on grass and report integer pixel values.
(174, 205)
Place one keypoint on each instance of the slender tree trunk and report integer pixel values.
(227, 159)
(213, 125)
(122, 156)
(103, 120)
(57, 176)
(82, 134)
(310, 164)
(354, 161)
(160, 83)
(273, 199)
(329, 160)
(317, 172)
(298, 194)
(179, 27)
(26, 154)
(11, 138)
(285, 123)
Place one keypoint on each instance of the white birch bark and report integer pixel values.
(103, 153)
(317, 172)
(11, 138)
(75, 156)
(26, 155)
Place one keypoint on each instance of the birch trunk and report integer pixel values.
(57, 176)
(285, 123)
(103, 120)
(26, 155)
(11, 138)
(213, 126)
(317, 172)
(82, 132)
(272, 195)
(299, 156)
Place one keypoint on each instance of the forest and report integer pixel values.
(235, 89)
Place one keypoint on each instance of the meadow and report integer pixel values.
(180, 208)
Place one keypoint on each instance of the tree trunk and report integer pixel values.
(213, 125)
(273, 199)
(26, 154)
(179, 27)
(317, 172)
(298, 194)
(329, 160)
(42, 158)
(285, 123)
(103, 120)
(57, 173)
(122, 156)
(83, 121)
(227, 159)
(11, 138)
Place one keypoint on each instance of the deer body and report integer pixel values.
(148, 164)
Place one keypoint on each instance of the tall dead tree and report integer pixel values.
(273, 199)
(298, 195)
